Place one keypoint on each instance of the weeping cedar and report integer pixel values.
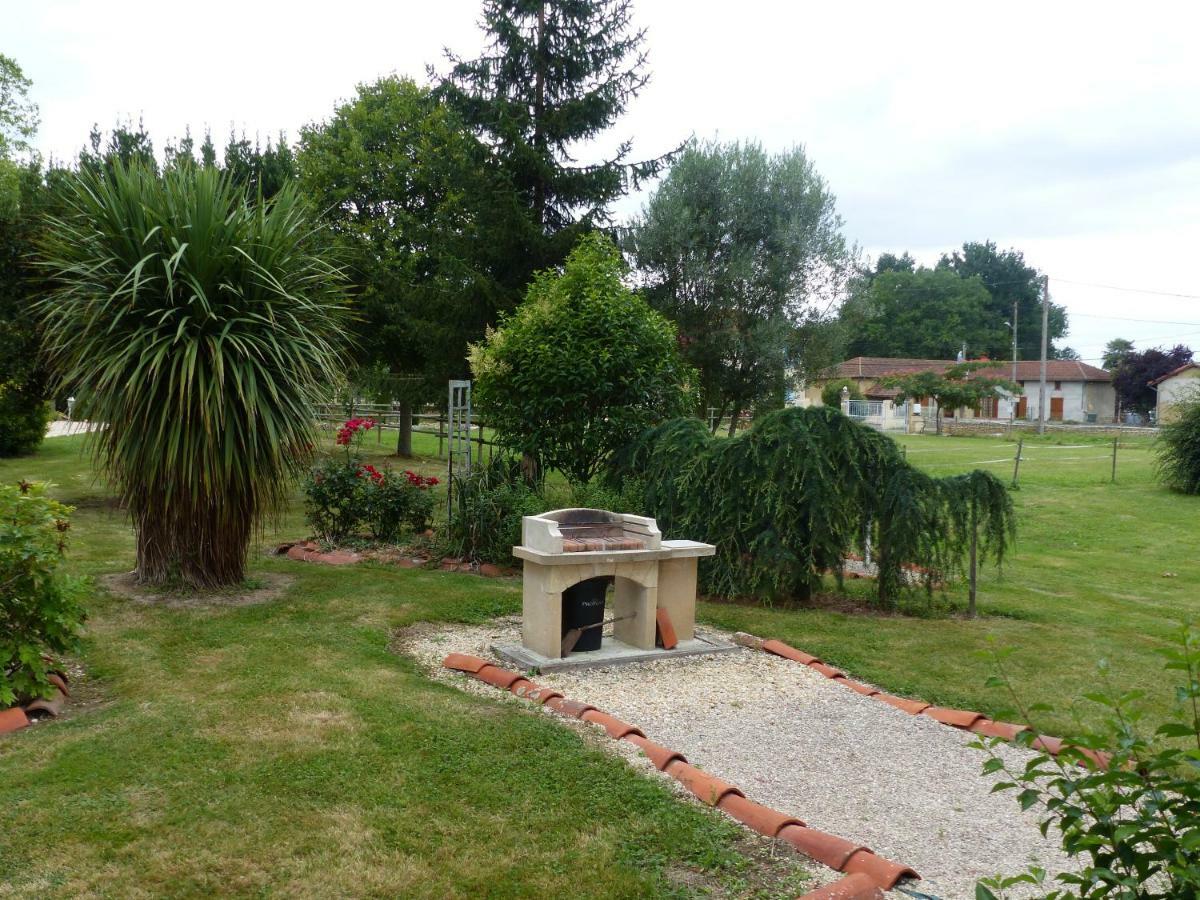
(787, 500)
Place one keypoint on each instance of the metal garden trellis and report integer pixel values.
(458, 428)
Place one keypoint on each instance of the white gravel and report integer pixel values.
(906, 786)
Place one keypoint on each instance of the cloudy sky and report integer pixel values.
(1066, 130)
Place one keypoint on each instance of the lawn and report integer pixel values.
(284, 749)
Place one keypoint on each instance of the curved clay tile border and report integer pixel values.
(835, 852)
(965, 720)
(18, 717)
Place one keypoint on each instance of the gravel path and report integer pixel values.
(906, 786)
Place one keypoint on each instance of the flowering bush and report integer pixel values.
(345, 495)
(39, 608)
(352, 431)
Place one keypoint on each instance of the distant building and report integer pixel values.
(1174, 388)
(1075, 391)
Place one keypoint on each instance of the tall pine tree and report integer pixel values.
(555, 73)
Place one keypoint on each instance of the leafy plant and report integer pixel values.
(1179, 449)
(201, 328)
(581, 368)
(958, 386)
(485, 523)
(831, 394)
(1134, 821)
(39, 608)
(788, 500)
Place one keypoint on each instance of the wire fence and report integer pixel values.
(1091, 461)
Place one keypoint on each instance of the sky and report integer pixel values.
(1068, 131)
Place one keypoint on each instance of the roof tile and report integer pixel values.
(883, 872)
(852, 887)
(615, 727)
(463, 662)
(827, 848)
(12, 719)
(658, 754)
(912, 707)
(710, 790)
(761, 818)
(779, 648)
(959, 718)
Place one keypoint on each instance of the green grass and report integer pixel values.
(1087, 581)
(282, 749)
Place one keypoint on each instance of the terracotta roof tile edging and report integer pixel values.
(705, 787)
(961, 719)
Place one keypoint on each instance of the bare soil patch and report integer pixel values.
(263, 589)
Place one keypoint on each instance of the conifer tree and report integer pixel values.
(555, 73)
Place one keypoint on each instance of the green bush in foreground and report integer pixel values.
(1179, 450)
(1136, 823)
(39, 607)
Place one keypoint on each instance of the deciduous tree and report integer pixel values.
(957, 387)
(1134, 372)
(433, 232)
(741, 249)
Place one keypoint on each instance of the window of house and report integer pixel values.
(1058, 385)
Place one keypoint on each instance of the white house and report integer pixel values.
(1173, 388)
(1075, 391)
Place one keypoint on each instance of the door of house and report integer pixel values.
(1022, 404)
(1056, 409)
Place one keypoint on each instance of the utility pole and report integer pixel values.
(1045, 338)
(1014, 324)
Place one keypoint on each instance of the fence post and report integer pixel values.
(1114, 466)
(441, 433)
(1017, 461)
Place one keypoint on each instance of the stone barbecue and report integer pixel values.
(563, 549)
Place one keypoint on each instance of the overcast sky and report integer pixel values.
(1064, 130)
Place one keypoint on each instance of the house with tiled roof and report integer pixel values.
(1174, 388)
(1075, 391)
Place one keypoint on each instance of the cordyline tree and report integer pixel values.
(959, 386)
(581, 368)
(199, 328)
(556, 73)
(742, 249)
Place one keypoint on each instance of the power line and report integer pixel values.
(1113, 287)
(1127, 319)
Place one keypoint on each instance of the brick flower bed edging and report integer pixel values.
(837, 853)
(17, 717)
(964, 720)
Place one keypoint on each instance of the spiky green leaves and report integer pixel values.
(199, 328)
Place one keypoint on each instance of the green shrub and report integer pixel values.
(831, 394)
(485, 523)
(393, 503)
(581, 368)
(1179, 450)
(786, 501)
(40, 610)
(1134, 824)
(333, 498)
(24, 415)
